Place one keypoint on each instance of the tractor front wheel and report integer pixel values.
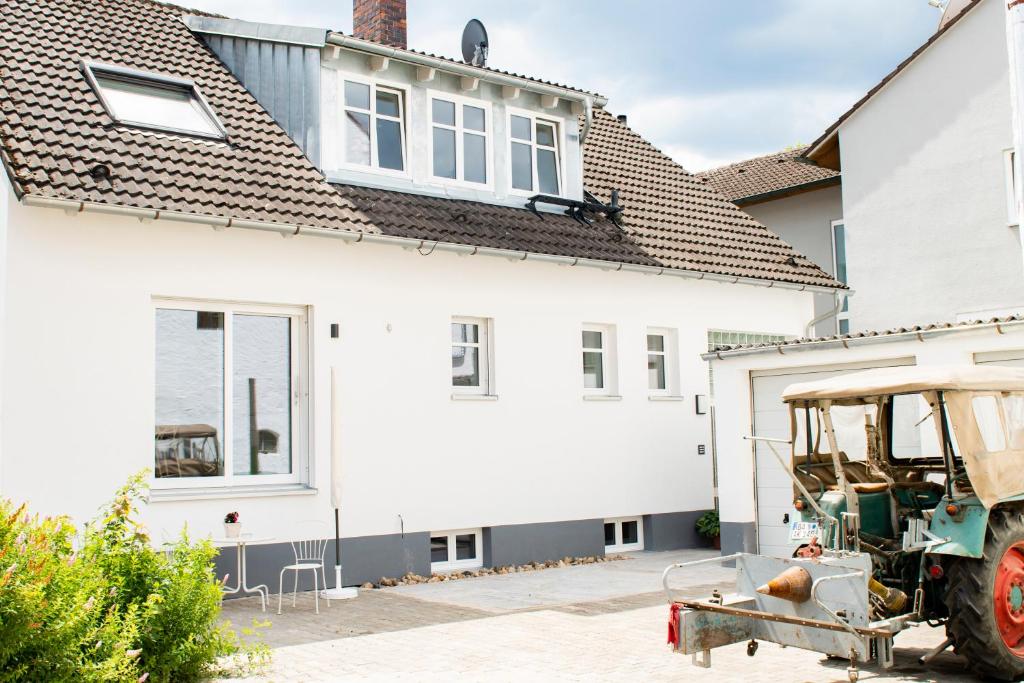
(985, 599)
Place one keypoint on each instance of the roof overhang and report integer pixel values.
(788, 191)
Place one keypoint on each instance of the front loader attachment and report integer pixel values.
(772, 604)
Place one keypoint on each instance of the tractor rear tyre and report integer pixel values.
(985, 599)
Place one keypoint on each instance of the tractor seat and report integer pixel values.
(871, 487)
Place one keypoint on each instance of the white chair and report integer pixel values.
(309, 556)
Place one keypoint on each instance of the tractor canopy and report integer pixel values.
(898, 425)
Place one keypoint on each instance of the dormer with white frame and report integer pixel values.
(463, 136)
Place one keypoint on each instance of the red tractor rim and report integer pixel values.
(1009, 599)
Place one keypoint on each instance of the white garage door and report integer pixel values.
(771, 418)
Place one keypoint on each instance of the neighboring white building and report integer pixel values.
(925, 157)
(512, 386)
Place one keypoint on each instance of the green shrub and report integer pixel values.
(708, 525)
(117, 610)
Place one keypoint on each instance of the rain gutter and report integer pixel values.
(850, 342)
(424, 246)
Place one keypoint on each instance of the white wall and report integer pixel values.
(804, 221)
(733, 400)
(923, 186)
(78, 397)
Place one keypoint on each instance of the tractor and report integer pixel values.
(908, 489)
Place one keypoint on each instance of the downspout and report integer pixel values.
(588, 118)
(841, 299)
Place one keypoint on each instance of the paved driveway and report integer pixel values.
(590, 622)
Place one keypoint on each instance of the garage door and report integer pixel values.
(771, 418)
(1014, 358)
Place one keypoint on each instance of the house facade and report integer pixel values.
(926, 161)
(229, 246)
(802, 203)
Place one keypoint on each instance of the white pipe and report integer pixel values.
(488, 75)
(218, 222)
(840, 298)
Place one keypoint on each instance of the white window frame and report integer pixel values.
(403, 91)
(300, 370)
(488, 135)
(842, 315)
(619, 546)
(671, 355)
(1010, 176)
(485, 350)
(534, 117)
(94, 69)
(609, 363)
(453, 564)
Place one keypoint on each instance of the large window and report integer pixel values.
(471, 356)
(839, 262)
(374, 126)
(155, 101)
(451, 550)
(460, 148)
(228, 398)
(534, 154)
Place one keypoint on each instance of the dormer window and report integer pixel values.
(534, 154)
(374, 126)
(460, 145)
(154, 101)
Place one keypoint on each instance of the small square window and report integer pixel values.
(455, 550)
(598, 354)
(155, 101)
(471, 361)
(623, 534)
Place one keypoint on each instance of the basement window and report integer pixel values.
(155, 101)
(454, 550)
(623, 534)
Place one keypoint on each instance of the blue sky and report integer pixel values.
(707, 81)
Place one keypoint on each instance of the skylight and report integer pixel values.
(155, 101)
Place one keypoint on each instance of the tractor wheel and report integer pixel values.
(985, 599)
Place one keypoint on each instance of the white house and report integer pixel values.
(202, 219)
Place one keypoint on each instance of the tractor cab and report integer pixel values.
(910, 487)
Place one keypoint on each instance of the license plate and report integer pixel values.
(802, 531)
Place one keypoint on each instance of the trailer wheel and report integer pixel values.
(985, 599)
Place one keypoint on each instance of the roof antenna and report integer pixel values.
(474, 43)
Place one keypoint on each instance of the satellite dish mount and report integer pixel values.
(474, 43)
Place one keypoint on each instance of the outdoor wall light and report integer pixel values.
(334, 331)
(701, 404)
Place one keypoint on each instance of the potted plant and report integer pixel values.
(232, 527)
(708, 527)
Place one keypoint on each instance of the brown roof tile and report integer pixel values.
(771, 175)
(53, 131)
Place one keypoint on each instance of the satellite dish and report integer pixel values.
(474, 43)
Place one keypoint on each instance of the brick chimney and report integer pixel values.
(380, 21)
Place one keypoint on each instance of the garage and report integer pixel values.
(773, 487)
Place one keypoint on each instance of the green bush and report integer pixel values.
(708, 525)
(117, 610)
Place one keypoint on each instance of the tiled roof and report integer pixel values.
(53, 132)
(771, 175)
(846, 338)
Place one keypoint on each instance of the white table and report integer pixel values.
(240, 542)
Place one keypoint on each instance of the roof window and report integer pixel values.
(154, 101)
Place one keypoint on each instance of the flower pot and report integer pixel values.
(232, 530)
(717, 543)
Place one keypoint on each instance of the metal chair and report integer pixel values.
(309, 556)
